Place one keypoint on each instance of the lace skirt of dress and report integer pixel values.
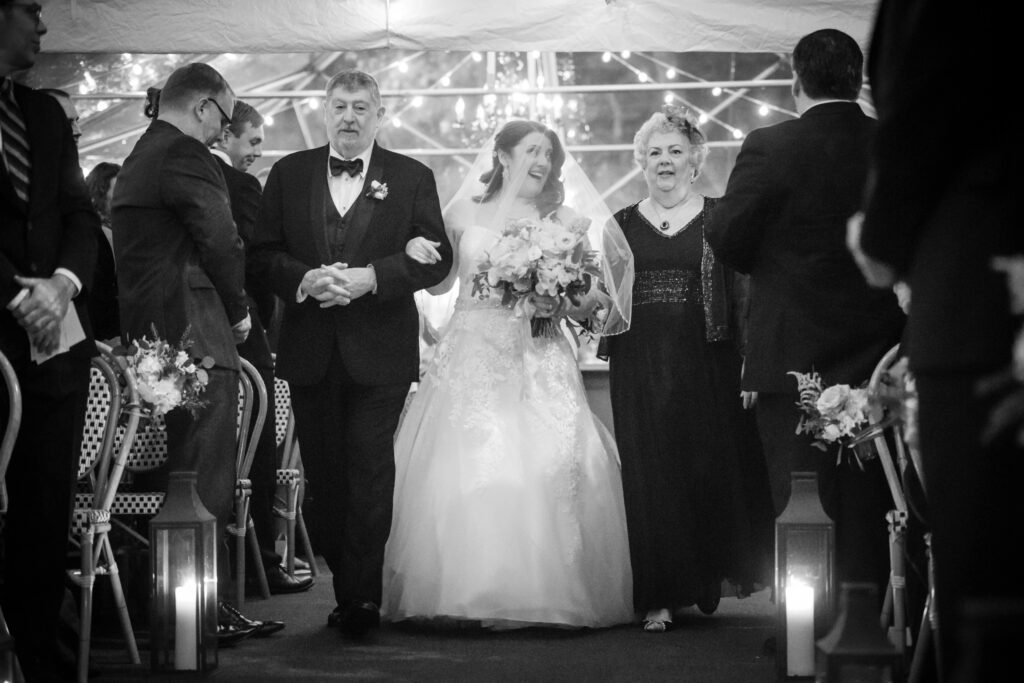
(508, 501)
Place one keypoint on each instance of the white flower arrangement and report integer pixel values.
(167, 377)
(537, 256)
(831, 415)
(378, 190)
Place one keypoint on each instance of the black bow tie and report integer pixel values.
(353, 167)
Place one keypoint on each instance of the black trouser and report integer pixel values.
(40, 481)
(346, 433)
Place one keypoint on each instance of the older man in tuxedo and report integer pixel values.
(240, 145)
(181, 266)
(330, 241)
(783, 220)
(47, 256)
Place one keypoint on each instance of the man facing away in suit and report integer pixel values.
(47, 255)
(783, 220)
(330, 240)
(236, 150)
(181, 265)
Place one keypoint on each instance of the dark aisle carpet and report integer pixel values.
(725, 647)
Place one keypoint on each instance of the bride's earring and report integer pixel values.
(693, 177)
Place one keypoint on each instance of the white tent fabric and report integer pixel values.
(156, 26)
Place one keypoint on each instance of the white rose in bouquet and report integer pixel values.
(833, 399)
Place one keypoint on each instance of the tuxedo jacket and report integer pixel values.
(180, 261)
(244, 192)
(783, 221)
(57, 228)
(376, 335)
(942, 204)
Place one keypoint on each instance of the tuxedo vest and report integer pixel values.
(336, 227)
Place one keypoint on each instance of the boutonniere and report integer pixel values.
(378, 190)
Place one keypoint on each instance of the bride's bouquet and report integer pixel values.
(542, 257)
(831, 415)
(166, 375)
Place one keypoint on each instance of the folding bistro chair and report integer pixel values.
(290, 478)
(112, 393)
(250, 388)
(894, 610)
(9, 668)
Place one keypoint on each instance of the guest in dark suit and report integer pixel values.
(103, 306)
(782, 220)
(937, 211)
(236, 149)
(47, 255)
(181, 264)
(349, 337)
(70, 110)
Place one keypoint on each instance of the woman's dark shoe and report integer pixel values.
(710, 597)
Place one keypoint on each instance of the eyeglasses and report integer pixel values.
(225, 120)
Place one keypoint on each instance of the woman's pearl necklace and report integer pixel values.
(665, 225)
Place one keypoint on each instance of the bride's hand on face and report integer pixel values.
(422, 250)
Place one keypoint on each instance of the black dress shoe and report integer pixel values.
(359, 618)
(281, 581)
(228, 634)
(229, 615)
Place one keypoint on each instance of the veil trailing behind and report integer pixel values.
(508, 508)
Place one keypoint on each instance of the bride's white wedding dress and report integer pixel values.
(508, 500)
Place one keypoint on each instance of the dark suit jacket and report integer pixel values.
(244, 192)
(941, 204)
(377, 334)
(783, 221)
(58, 227)
(179, 258)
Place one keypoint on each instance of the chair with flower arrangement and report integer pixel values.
(111, 420)
(290, 479)
(9, 667)
(250, 388)
(890, 425)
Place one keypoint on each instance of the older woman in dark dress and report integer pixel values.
(697, 501)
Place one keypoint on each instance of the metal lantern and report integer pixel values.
(857, 649)
(804, 577)
(183, 546)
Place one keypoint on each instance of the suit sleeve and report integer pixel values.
(192, 183)
(398, 275)
(269, 260)
(917, 153)
(738, 222)
(79, 218)
(76, 243)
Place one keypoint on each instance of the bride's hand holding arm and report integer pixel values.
(422, 250)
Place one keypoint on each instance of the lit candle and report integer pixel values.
(185, 627)
(799, 629)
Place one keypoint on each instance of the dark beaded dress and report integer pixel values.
(698, 506)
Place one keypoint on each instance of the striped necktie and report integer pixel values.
(15, 141)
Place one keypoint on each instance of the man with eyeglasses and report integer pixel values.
(181, 266)
(47, 256)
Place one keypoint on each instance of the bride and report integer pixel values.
(508, 504)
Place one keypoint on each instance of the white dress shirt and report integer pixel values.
(345, 188)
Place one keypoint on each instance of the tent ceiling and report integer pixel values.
(156, 26)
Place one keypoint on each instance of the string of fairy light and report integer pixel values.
(504, 85)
